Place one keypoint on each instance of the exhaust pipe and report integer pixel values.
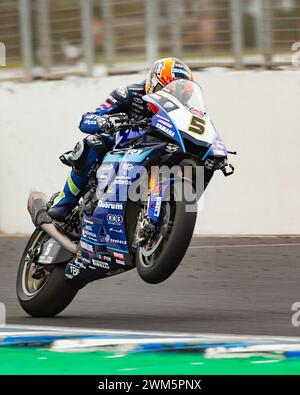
(38, 210)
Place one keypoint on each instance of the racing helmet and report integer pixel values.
(164, 71)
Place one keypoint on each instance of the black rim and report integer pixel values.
(150, 251)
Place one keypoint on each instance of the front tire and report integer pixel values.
(48, 296)
(157, 264)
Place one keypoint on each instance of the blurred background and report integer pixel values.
(53, 38)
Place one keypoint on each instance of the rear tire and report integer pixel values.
(48, 297)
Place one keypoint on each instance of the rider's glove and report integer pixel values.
(104, 123)
(111, 123)
(119, 120)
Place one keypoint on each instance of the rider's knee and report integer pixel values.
(79, 155)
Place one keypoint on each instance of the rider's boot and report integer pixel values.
(69, 196)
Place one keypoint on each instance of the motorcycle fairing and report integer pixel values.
(162, 121)
(103, 249)
(193, 124)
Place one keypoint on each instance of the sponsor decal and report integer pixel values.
(135, 151)
(86, 233)
(89, 116)
(92, 267)
(162, 121)
(114, 219)
(199, 113)
(115, 230)
(157, 207)
(120, 262)
(115, 241)
(90, 122)
(138, 100)
(105, 258)
(45, 259)
(110, 205)
(169, 104)
(138, 106)
(103, 265)
(181, 71)
(86, 246)
(166, 103)
(165, 129)
(118, 255)
(138, 111)
(74, 270)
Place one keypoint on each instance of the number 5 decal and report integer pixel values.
(197, 125)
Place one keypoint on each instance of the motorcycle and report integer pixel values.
(129, 216)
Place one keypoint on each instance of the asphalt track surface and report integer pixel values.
(243, 285)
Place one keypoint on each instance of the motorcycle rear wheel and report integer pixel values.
(49, 295)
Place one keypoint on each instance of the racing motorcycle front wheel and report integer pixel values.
(159, 257)
(45, 293)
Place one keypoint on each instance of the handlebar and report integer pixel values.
(131, 124)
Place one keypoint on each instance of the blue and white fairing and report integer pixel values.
(103, 244)
(182, 113)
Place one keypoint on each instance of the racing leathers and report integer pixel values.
(96, 124)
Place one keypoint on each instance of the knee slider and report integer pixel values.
(79, 154)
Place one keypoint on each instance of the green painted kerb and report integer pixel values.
(42, 361)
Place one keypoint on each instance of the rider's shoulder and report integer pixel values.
(120, 93)
(137, 88)
(123, 93)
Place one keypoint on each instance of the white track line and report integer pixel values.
(211, 336)
(246, 245)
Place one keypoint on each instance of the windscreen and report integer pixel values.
(188, 93)
(182, 103)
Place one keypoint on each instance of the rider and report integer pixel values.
(97, 124)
